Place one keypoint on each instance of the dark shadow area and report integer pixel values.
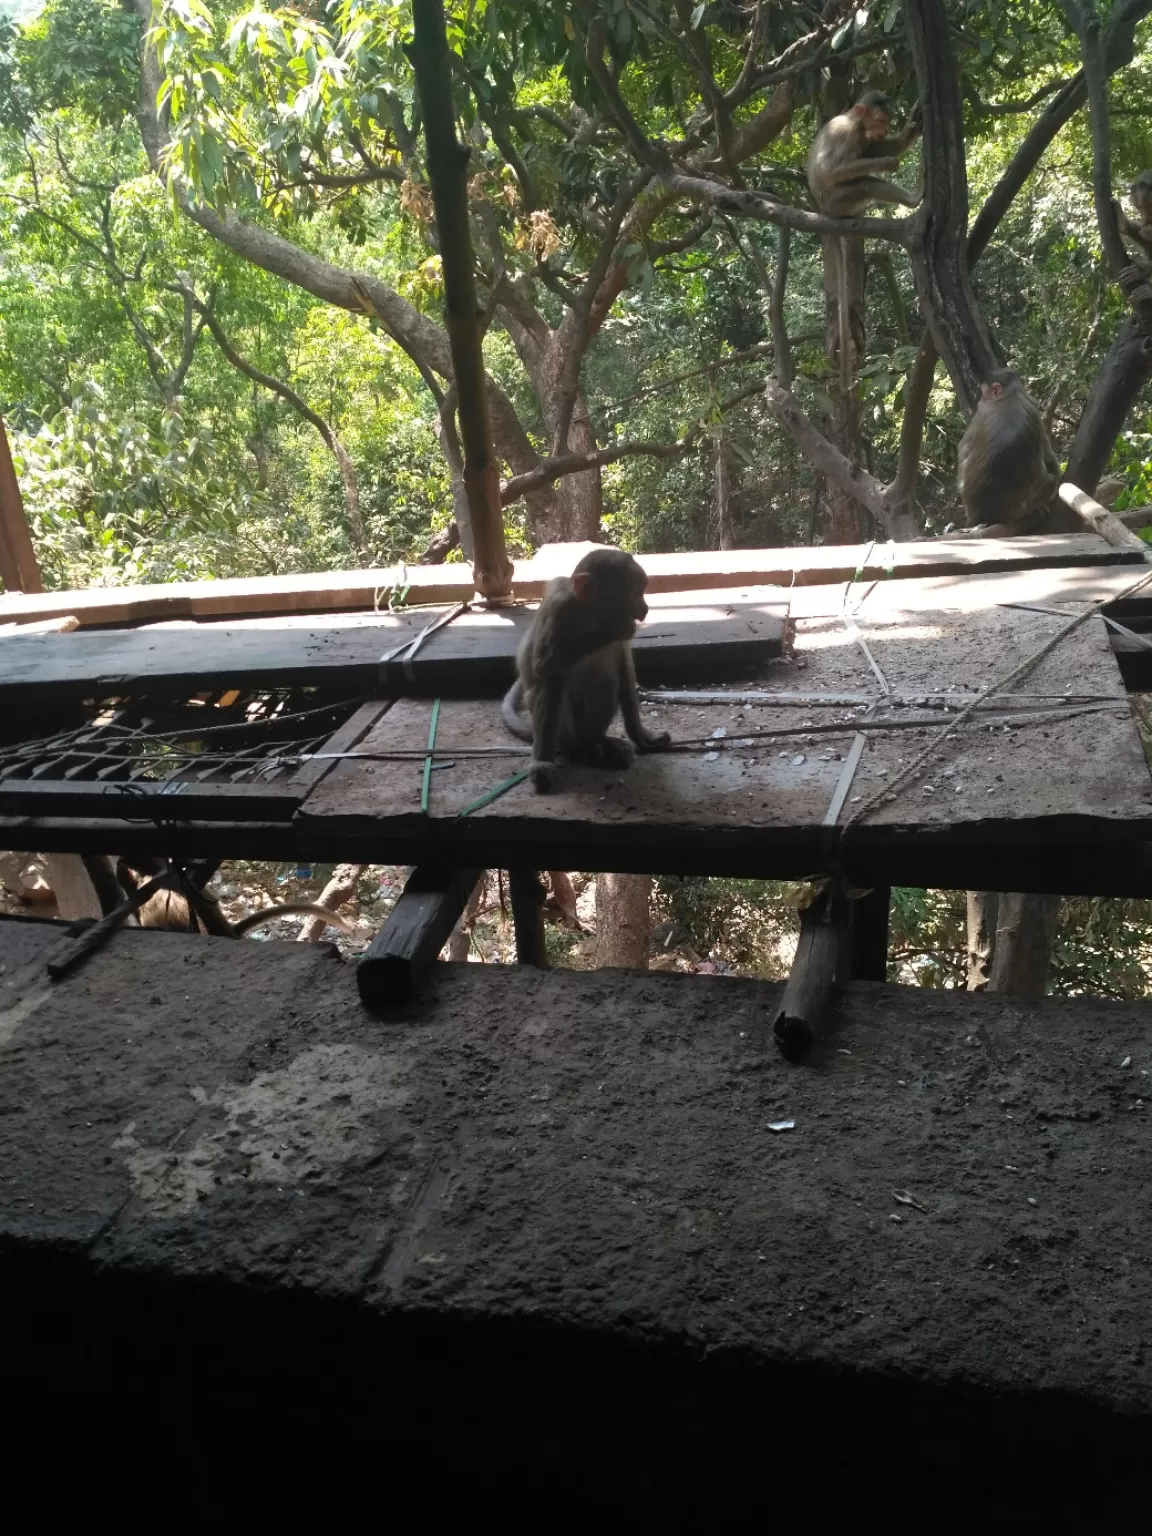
(204, 1389)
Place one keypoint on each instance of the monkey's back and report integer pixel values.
(1000, 464)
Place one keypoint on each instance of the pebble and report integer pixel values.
(1127, 1062)
(711, 757)
(797, 760)
(719, 733)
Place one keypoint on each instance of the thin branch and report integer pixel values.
(300, 406)
(558, 465)
(756, 205)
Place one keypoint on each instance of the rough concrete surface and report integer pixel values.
(536, 1236)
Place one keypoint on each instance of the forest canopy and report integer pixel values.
(221, 338)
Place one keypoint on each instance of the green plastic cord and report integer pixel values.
(494, 794)
(428, 760)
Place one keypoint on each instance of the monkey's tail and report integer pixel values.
(510, 712)
(289, 909)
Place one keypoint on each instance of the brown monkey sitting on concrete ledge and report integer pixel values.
(574, 669)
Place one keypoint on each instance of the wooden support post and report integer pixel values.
(18, 567)
(448, 173)
(869, 942)
(821, 960)
(414, 934)
(528, 897)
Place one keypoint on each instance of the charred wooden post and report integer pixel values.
(822, 957)
(447, 172)
(416, 931)
(18, 567)
(528, 897)
(868, 947)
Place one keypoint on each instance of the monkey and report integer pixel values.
(844, 155)
(574, 669)
(173, 911)
(1006, 468)
(1140, 191)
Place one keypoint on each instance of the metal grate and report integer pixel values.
(231, 736)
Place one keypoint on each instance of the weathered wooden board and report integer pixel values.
(328, 590)
(474, 654)
(756, 801)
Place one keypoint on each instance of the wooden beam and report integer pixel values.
(868, 956)
(415, 932)
(475, 654)
(447, 171)
(332, 591)
(528, 897)
(821, 961)
(18, 566)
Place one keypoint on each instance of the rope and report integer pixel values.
(946, 728)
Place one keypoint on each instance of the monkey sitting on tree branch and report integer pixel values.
(842, 171)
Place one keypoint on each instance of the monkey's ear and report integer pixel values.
(582, 585)
(995, 391)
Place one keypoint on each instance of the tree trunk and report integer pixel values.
(459, 943)
(940, 252)
(622, 925)
(1122, 376)
(982, 906)
(841, 511)
(722, 491)
(447, 172)
(1025, 929)
(341, 888)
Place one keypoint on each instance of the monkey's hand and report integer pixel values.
(654, 743)
(543, 776)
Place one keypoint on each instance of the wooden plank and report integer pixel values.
(331, 590)
(473, 654)
(748, 797)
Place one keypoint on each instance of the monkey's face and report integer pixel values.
(991, 391)
(875, 122)
(1141, 194)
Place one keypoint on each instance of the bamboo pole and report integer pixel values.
(447, 172)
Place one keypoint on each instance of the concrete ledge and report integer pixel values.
(537, 1230)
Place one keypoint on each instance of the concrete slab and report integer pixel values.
(539, 1227)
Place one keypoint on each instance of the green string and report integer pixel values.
(428, 760)
(493, 794)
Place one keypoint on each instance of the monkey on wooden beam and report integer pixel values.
(842, 164)
(574, 669)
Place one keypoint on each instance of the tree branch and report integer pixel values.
(299, 405)
(756, 205)
(824, 457)
(558, 465)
